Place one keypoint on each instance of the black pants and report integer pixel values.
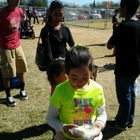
(36, 18)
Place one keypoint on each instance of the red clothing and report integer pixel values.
(9, 28)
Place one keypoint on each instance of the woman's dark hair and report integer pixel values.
(55, 68)
(54, 5)
(131, 5)
(78, 56)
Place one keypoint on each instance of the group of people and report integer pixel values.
(76, 98)
(32, 14)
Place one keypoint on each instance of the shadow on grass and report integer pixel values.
(106, 67)
(35, 131)
(32, 131)
(104, 56)
(109, 133)
(101, 45)
(3, 101)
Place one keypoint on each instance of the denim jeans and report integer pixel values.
(125, 90)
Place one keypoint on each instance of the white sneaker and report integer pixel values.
(23, 95)
(11, 102)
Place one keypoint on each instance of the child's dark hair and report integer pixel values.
(78, 56)
(116, 10)
(54, 5)
(131, 5)
(94, 72)
(55, 68)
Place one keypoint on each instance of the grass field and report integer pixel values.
(27, 121)
(93, 23)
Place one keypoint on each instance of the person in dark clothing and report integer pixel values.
(127, 41)
(34, 15)
(56, 35)
(115, 24)
(28, 14)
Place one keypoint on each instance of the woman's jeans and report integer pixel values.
(125, 90)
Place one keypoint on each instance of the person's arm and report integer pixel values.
(52, 120)
(70, 38)
(102, 116)
(111, 42)
(110, 46)
(59, 126)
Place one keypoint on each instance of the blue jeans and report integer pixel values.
(125, 90)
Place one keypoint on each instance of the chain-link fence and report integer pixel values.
(84, 17)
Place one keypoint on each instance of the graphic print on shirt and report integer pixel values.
(14, 24)
(83, 110)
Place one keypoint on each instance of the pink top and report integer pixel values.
(9, 28)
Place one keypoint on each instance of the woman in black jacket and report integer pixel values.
(54, 34)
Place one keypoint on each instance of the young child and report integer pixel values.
(28, 29)
(56, 73)
(78, 100)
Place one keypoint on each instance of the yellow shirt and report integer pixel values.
(77, 106)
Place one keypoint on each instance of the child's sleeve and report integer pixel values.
(52, 120)
(101, 115)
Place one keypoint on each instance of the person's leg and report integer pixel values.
(8, 71)
(21, 67)
(133, 102)
(37, 19)
(34, 20)
(126, 99)
(6, 84)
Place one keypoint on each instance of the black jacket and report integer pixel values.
(54, 41)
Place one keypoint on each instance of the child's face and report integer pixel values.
(61, 78)
(116, 13)
(27, 24)
(79, 77)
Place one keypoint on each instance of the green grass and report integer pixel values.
(27, 120)
(93, 23)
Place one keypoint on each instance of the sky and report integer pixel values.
(82, 2)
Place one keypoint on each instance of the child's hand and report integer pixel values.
(99, 126)
(67, 128)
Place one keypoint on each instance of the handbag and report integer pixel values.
(41, 58)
